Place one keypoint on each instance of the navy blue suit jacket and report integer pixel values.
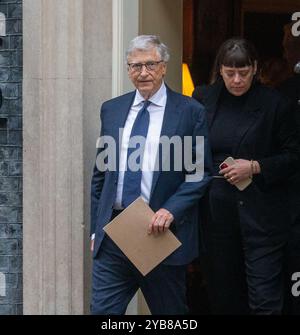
(183, 116)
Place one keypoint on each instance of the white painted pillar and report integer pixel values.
(67, 68)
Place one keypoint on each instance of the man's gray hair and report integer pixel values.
(148, 42)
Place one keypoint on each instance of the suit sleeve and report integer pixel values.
(190, 191)
(96, 187)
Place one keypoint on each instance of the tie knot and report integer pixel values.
(146, 104)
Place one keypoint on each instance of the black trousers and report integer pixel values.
(243, 266)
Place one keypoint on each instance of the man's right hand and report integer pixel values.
(161, 221)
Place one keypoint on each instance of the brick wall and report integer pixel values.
(11, 160)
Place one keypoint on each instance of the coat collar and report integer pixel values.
(250, 112)
(170, 120)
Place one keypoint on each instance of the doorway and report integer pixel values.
(206, 25)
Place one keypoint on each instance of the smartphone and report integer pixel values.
(241, 185)
(228, 161)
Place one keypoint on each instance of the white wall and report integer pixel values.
(164, 18)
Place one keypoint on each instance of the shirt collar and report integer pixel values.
(157, 98)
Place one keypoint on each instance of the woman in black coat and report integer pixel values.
(247, 229)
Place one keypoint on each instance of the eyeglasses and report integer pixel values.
(138, 67)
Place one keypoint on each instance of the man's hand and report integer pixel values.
(160, 222)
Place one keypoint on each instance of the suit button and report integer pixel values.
(241, 203)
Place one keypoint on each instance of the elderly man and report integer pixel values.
(151, 111)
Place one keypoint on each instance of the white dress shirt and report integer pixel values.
(156, 111)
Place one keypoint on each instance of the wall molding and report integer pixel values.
(125, 27)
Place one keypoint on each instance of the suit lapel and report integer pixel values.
(170, 123)
(121, 111)
(211, 101)
(250, 113)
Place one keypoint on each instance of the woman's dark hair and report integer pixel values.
(235, 52)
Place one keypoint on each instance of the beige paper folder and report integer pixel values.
(129, 231)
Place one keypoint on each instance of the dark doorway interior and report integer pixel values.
(207, 23)
(265, 30)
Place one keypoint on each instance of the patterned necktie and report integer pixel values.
(132, 179)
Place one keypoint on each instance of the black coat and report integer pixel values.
(266, 133)
(291, 89)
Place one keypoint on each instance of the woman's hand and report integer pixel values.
(240, 170)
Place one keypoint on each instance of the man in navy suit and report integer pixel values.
(152, 111)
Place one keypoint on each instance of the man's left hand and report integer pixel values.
(160, 222)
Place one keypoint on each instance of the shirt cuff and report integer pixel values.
(93, 237)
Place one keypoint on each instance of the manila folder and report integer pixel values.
(129, 231)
